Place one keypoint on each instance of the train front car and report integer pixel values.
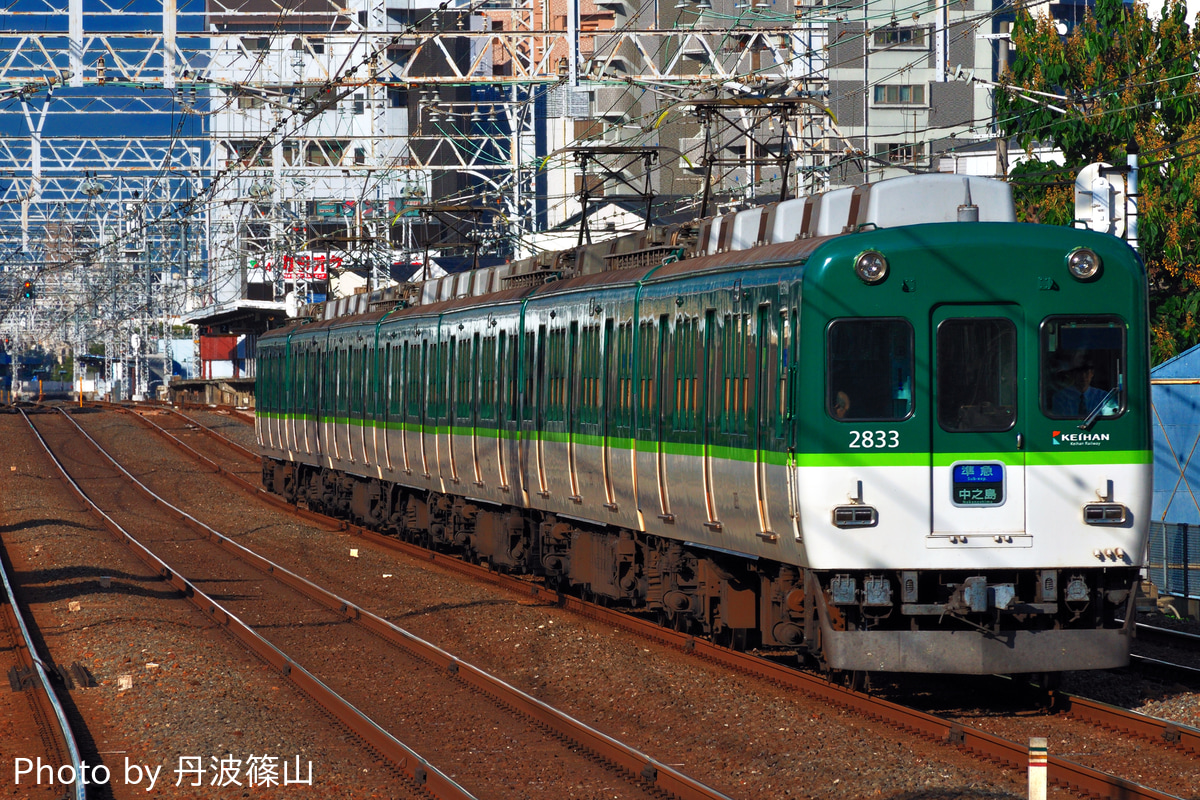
(974, 473)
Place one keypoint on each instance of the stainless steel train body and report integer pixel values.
(856, 443)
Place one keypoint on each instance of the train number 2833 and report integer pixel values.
(874, 439)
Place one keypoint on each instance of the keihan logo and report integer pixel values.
(1058, 437)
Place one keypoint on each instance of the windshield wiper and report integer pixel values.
(1092, 417)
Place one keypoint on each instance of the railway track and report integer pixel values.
(423, 780)
(1062, 771)
(35, 706)
(1182, 640)
(443, 687)
(1167, 655)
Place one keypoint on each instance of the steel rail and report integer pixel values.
(207, 431)
(424, 774)
(1167, 670)
(1060, 771)
(321, 520)
(1185, 737)
(1191, 640)
(212, 434)
(27, 655)
(240, 415)
(602, 745)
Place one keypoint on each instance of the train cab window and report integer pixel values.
(870, 370)
(1082, 367)
(977, 374)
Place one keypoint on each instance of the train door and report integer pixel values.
(293, 385)
(619, 418)
(316, 394)
(978, 464)
(362, 390)
(762, 415)
(572, 414)
(542, 398)
(325, 364)
(528, 402)
(388, 401)
(662, 406)
(408, 355)
(421, 399)
(504, 406)
(455, 380)
(710, 379)
(606, 405)
(476, 399)
(342, 436)
(334, 396)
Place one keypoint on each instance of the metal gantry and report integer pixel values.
(160, 157)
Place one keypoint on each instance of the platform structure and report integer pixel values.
(235, 392)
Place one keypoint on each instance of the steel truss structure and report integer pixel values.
(157, 157)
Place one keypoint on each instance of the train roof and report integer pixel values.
(784, 232)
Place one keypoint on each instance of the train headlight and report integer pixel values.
(1083, 264)
(871, 267)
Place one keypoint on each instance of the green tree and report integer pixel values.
(1124, 78)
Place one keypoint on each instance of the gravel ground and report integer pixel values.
(195, 692)
(741, 735)
(478, 741)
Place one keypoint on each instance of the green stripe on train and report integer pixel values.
(864, 458)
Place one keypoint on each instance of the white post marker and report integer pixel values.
(1037, 768)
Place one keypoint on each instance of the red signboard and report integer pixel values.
(303, 266)
(218, 348)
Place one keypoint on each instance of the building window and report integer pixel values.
(900, 152)
(250, 101)
(901, 38)
(249, 153)
(360, 104)
(900, 94)
(324, 153)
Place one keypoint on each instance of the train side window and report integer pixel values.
(625, 375)
(533, 362)
(556, 375)
(344, 381)
(412, 383)
(465, 362)
(685, 374)
(783, 373)
(589, 358)
(870, 369)
(487, 376)
(647, 344)
(735, 374)
(1082, 367)
(977, 374)
(395, 371)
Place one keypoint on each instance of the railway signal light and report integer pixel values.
(27, 291)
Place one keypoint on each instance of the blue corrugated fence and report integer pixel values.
(1174, 558)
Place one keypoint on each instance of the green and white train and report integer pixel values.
(888, 425)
